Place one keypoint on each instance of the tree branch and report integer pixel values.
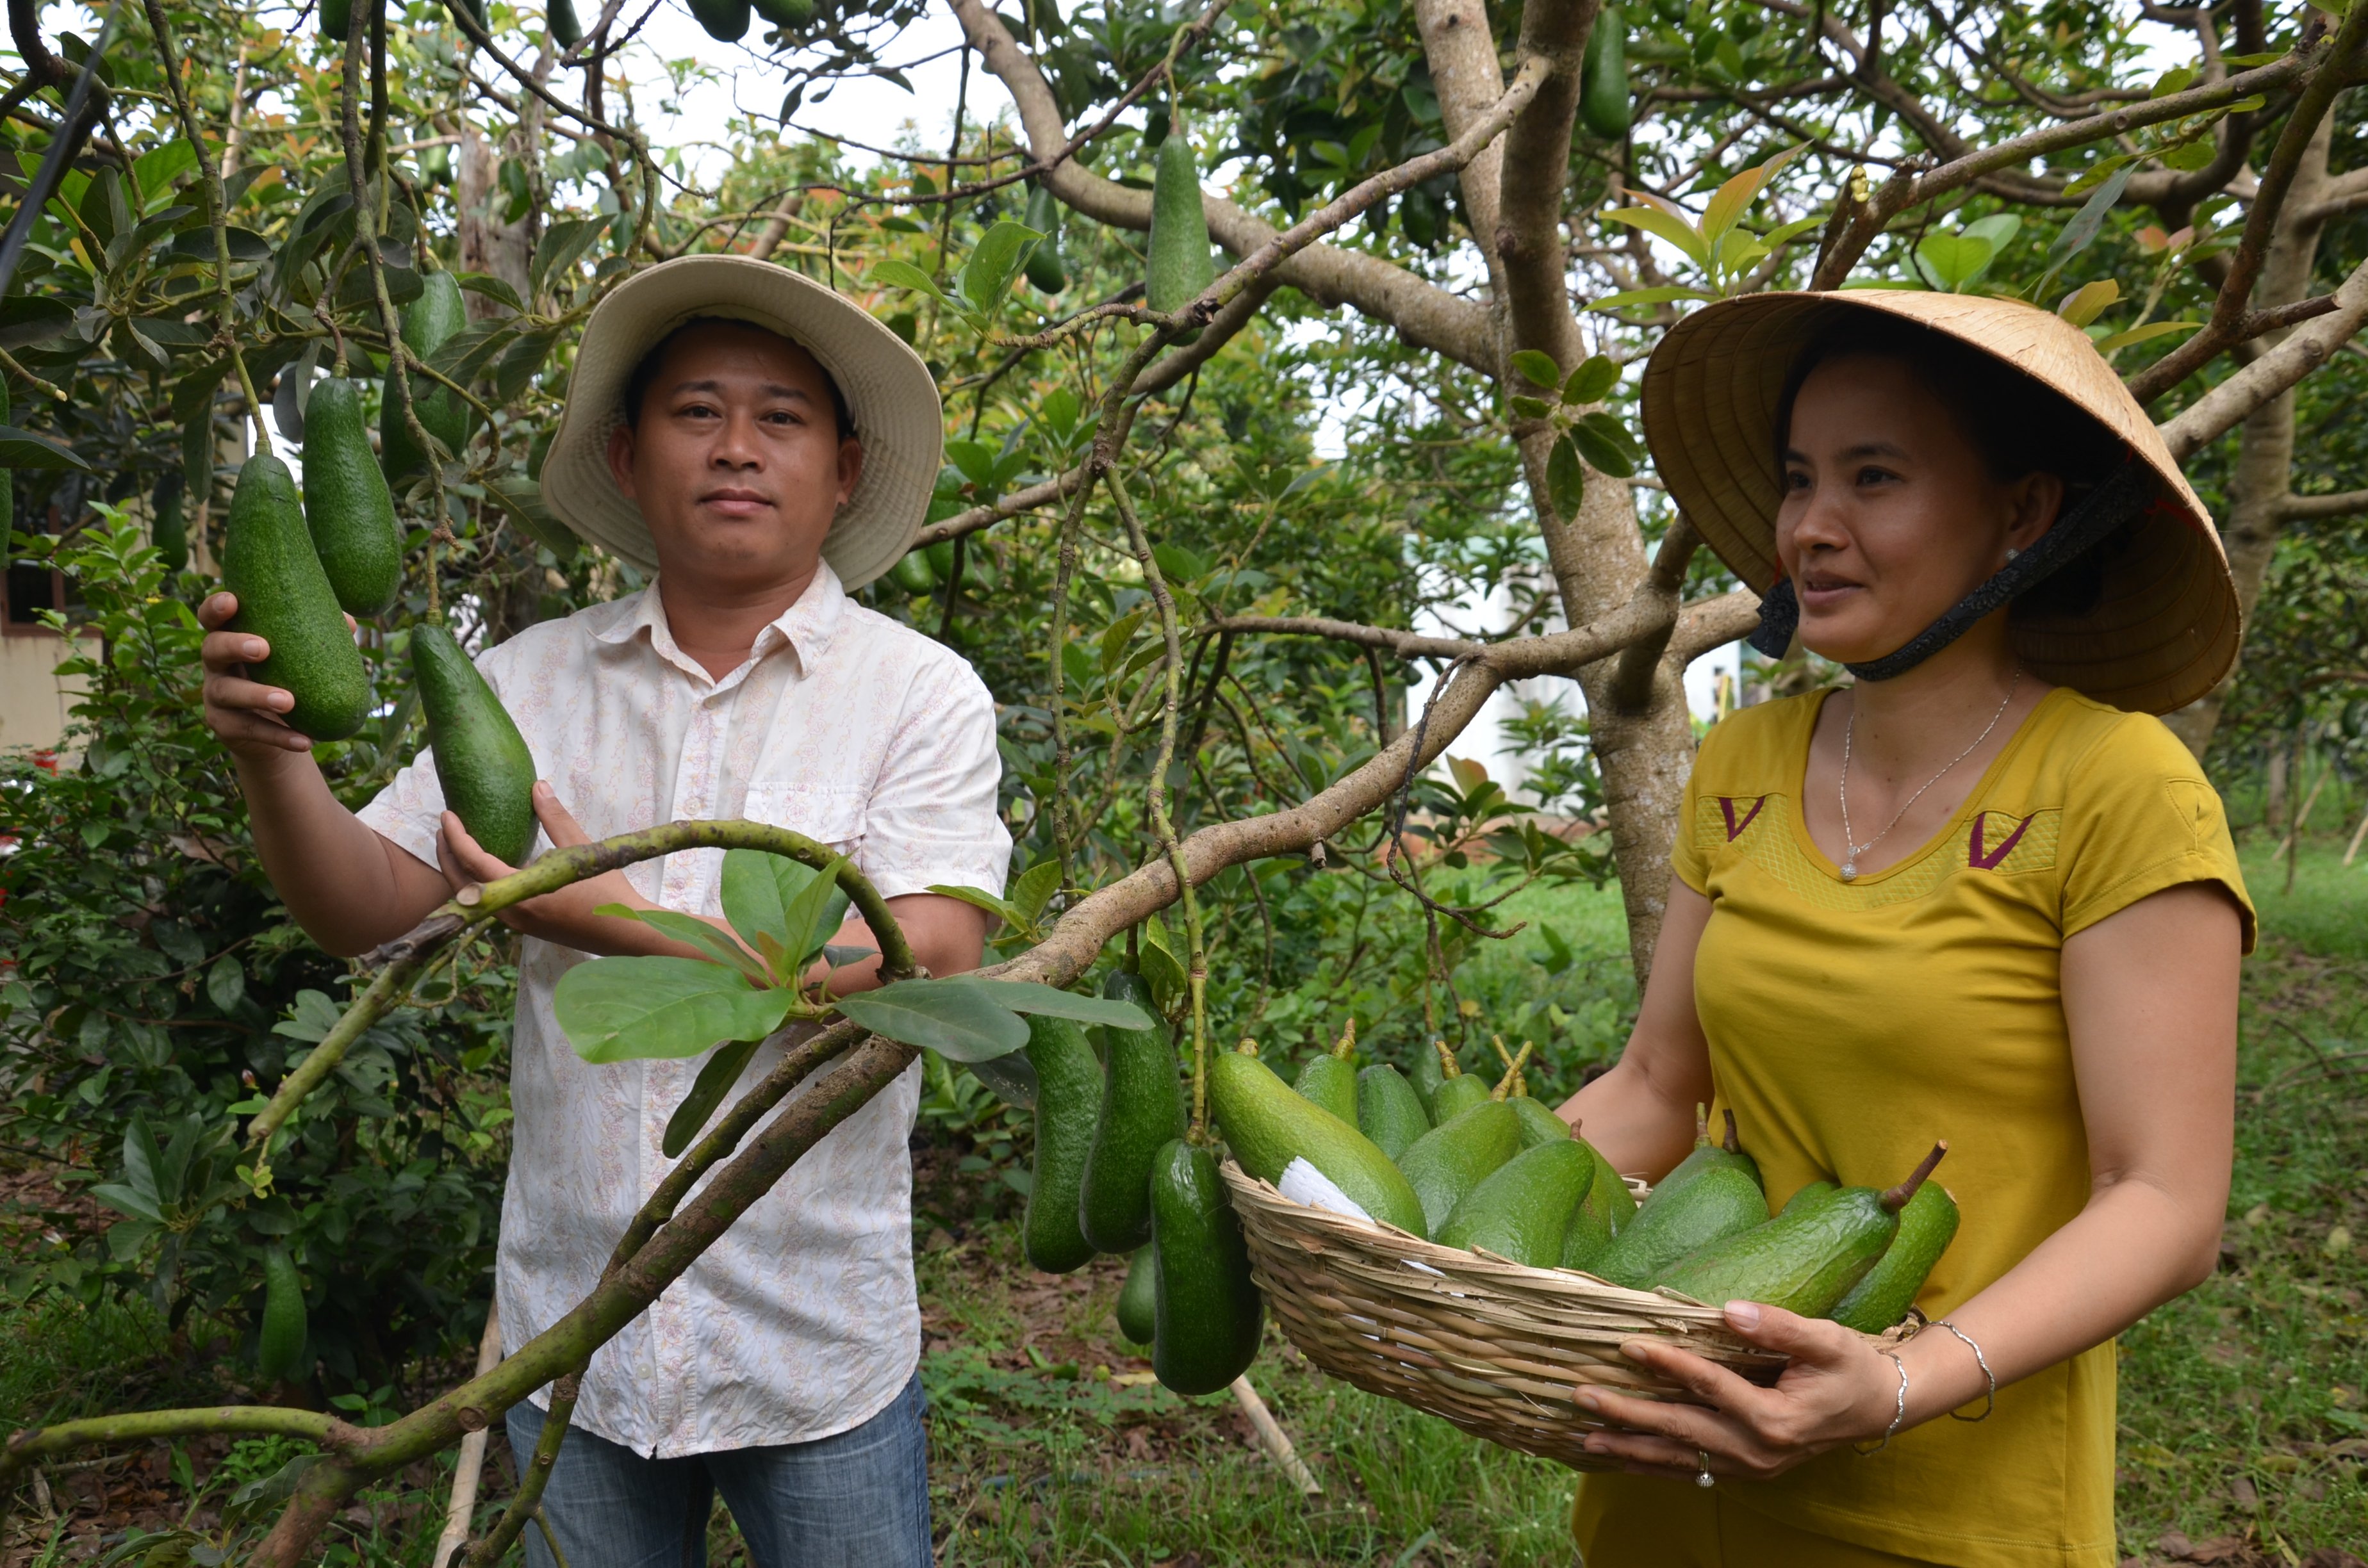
(2227, 405)
(2315, 509)
(1424, 314)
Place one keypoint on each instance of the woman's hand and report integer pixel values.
(251, 718)
(1839, 1388)
(565, 918)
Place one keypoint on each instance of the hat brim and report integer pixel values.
(889, 392)
(2167, 626)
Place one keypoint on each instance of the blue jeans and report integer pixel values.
(859, 1499)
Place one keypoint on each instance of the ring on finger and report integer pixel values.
(1703, 1477)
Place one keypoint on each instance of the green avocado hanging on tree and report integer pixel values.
(1180, 264)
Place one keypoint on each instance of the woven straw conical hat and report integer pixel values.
(2166, 628)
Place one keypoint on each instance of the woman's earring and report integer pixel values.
(2011, 552)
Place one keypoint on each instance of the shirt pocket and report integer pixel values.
(832, 816)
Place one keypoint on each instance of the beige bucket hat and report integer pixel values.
(2167, 627)
(888, 389)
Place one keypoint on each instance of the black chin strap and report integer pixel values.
(2129, 491)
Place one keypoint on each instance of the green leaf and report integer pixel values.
(2088, 303)
(758, 890)
(491, 287)
(1590, 383)
(626, 1009)
(1566, 479)
(129, 1201)
(1605, 445)
(563, 245)
(1178, 564)
(974, 458)
(226, 983)
(707, 1093)
(1528, 408)
(23, 448)
(1539, 367)
(2190, 155)
(157, 168)
(979, 898)
(812, 918)
(986, 275)
(2146, 334)
(1784, 233)
(521, 498)
(1046, 1001)
(693, 932)
(1659, 296)
(956, 1018)
(1035, 887)
(1951, 261)
(905, 275)
(1676, 230)
(1726, 207)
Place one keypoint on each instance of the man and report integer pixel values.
(762, 445)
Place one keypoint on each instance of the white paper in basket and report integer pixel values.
(1304, 1185)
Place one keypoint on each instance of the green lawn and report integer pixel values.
(2244, 1413)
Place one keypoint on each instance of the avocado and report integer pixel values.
(1387, 1110)
(1523, 1209)
(1044, 269)
(1180, 266)
(1457, 1092)
(1927, 1222)
(1539, 1124)
(1806, 1260)
(913, 575)
(1808, 1194)
(427, 322)
(168, 528)
(284, 598)
(1267, 1126)
(1068, 1090)
(1713, 1193)
(1603, 103)
(1600, 1215)
(1207, 1312)
(1137, 1310)
(789, 15)
(337, 17)
(1327, 1079)
(482, 761)
(279, 1334)
(726, 21)
(1445, 1163)
(197, 457)
(346, 504)
(1142, 1110)
(559, 20)
(1428, 1076)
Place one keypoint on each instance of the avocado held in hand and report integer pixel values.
(284, 597)
(481, 759)
(1807, 1259)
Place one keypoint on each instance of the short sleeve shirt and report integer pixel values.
(849, 727)
(1852, 1024)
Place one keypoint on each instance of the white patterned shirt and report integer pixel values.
(801, 1320)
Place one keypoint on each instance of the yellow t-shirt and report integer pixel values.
(1851, 1024)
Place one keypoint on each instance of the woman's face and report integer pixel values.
(1889, 514)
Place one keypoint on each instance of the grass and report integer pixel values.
(2244, 1405)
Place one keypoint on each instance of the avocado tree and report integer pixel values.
(1451, 227)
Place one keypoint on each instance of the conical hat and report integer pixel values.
(2167, 626)
(889, 392)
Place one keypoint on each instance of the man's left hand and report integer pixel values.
(565, 917)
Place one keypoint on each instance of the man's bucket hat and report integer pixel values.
(889, 392)
(2165, 627)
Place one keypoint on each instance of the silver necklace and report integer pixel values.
(1850, 865)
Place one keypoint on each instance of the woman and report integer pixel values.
(1979, 895)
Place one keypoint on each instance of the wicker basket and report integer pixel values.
(1494, 1347)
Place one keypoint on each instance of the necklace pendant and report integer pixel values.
(1849, 871)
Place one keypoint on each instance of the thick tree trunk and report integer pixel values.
(488, 243)
(2263, 481)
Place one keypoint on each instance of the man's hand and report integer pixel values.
(566, 916)
(245, 713)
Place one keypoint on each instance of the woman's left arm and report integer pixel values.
(2150, 999)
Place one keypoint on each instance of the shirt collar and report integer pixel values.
(807, 626)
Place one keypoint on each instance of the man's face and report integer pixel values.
(736, 461)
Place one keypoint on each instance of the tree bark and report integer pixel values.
(2262, 481)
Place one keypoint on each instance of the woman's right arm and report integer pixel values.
(345, 885)
(1641, 1114)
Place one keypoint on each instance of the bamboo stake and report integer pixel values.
(2360, 833)
(1273, 1439)
(472, 1467)
(2292, 847)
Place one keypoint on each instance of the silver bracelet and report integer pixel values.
(1898, 1413)
(1991, 1400)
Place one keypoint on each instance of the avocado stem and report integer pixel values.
(1347, 1041)
(1502, 1054)
(1732, 1145)
(1505, 1084)
(1448, 1065)
(1248, 1047)
(1896, 1199)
